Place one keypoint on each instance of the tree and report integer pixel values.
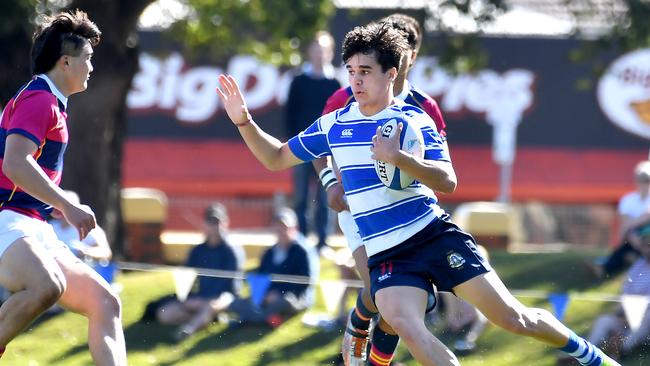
(97, 120)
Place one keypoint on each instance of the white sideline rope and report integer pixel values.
(238, 275)
(304, 280)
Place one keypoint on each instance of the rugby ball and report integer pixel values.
(411, 141)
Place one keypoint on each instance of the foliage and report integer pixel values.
(270, 30)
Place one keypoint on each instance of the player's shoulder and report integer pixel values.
(418, 93)
(344, 91)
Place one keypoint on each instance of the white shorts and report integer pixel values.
(350, 230)
(14, 226)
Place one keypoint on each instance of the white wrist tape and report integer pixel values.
(327, 177)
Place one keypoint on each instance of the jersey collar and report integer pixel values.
(55, 90)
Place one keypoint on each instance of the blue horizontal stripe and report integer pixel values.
(359, 178)
(405, 201)
(23, 133)
(333, 146)
(24, 201)
(364, 189)
(52, 155)
(381, 233)
(356, 166)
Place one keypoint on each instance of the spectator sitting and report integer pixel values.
(289, 256)
(93, 249)
(612, 330)
(213, 295)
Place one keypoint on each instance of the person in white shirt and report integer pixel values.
(634, 219)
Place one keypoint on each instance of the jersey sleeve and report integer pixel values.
(431, 107)
(311, 143)
(338, 100)
(435, 145)
(32, 117)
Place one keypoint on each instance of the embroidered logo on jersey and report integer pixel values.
(386, 270)
(455, 260)
(346, 133)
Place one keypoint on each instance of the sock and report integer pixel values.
(383, 348)
(584, 352)
(361, 315)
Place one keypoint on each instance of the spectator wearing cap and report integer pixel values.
(212, 295)
(634, 230)
(289, 256)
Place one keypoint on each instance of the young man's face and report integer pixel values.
(78, 69)
(369, 84)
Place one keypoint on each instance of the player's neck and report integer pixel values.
(400, 84)
(58, 79)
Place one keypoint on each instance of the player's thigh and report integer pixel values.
(361, 263)
(26, 264)
(489, 295)
(401, 305)
(86, 290)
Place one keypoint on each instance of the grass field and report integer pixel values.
(61, 340)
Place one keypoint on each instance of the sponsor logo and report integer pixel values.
(346, 133)
(455, 260)
(624, 92)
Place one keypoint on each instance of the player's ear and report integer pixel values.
(392, 74)
(414, 55)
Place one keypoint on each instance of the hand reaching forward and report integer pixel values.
(233, 100)
(81, 217)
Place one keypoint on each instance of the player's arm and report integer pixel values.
(333, 187)
(274, 154)
(22, 169)
(436, 174)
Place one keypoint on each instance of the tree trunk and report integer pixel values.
(97, 117)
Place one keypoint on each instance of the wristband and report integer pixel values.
(327, 178)
(239, 125)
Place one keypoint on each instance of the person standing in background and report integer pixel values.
(308, 93)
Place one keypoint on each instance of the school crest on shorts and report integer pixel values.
(455, 260)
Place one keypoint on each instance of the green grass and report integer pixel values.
(61, 340)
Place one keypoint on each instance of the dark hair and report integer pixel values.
(381, 39)
(61, 34)
(407, 24)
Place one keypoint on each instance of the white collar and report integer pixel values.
(54, 90)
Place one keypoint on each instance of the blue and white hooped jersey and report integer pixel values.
(385, 217)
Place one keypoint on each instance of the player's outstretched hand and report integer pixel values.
(233, 100)
(386, 149)
(81, 217)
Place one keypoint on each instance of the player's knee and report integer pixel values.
(111, 304)
(405, 326)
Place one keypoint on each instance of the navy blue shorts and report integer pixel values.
(440, 255)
